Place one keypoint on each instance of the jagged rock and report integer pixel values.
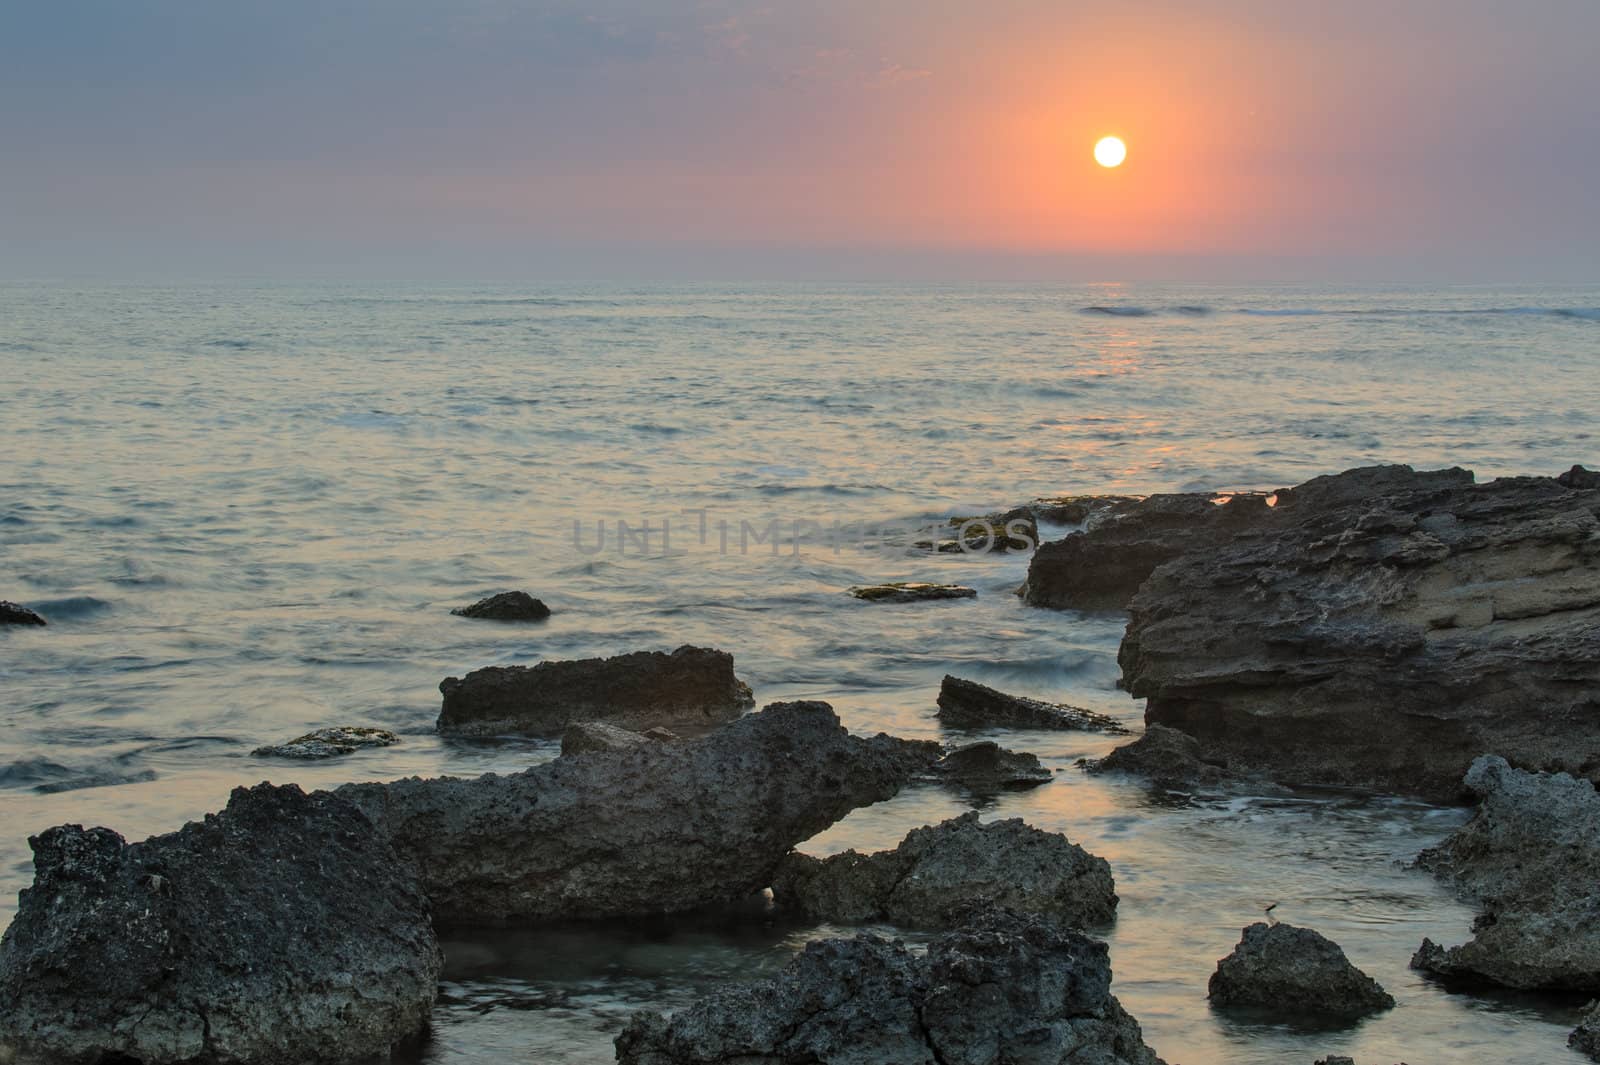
(1103, 566)
(1586, 1037)
(17, 614)
(1014, 530)
(987, 766)
(1530, 857)
(1380, 629)
(507, 606)
(1172, 760)
(1002, 989)
(1578, 477)
(328, 743)
(1294, 971)
(941, 873)
(965, 704)
(691, 688)
(1075, 510)
(910, 592)
(584, 736)
(657, 828)
(282, 929)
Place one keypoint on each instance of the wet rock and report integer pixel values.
(17, 614)
(1578, 477)
(1293, 970)
(1530, 857)
(987, 766)
(965, 704)
(910, 592)
(328, 743)
(1102, 567)
(281, 929)
(585, 736)
(656, 828)
(1172, 760)
(1586, 1037)
(507, 606)
(1381, 629)
(1075, 510)
(693, 687)
(938, 875)
(1014, 530)
(1001, 989)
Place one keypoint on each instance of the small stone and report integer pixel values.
(1290, 970)
(583, 737)
(17, 614)
(910, 592)
(328, 743)
(1578, 477)
(507, 606)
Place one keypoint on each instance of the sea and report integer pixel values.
(248, 507)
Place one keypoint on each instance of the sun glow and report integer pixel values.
(1110, 151)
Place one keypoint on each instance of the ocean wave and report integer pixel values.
(1119, 311)
(70, 609)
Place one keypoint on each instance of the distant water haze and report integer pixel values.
(247, 510)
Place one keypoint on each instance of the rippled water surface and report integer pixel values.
(247, 509)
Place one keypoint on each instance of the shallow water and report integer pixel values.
(247, 509)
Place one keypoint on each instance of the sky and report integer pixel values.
(1403, 139)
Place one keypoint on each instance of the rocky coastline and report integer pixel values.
(1408, 633)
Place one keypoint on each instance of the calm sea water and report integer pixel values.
(248, 508)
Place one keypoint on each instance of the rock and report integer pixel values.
(1102, 567)
(282, 929)
(1530, 857)
(328, 743)
(1002, 989)
(1578, 477)
(1014, 530)
(657, 828)
(1075, 510)
(1172, 760)
(1381, 629)
(965, 704)
(1291, 970)
(911, 592)
(1586, 1037)
(986, 766)
(937, 875)
(693, 687)
(507, 606)
(17, 614)
(584, 736)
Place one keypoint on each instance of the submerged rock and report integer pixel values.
(693, 687)
(1075, 510)
(1586, 1037)
(282, 929)
(1001, 989)
(910, 592)
(507, 606)
(328, 743)
(1381, 629)
(987, 766)
(1294, 971)
(966, 704)
(657, 828)
(17, 614)
(1102, 567)
(1015, 530)
(939, 875)
(1530, 857)
(585, 736)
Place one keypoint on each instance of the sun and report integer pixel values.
(1110, 151)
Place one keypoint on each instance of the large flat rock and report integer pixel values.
(691, 688)
(1382, 628)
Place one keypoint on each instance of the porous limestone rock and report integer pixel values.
(1289, 970)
